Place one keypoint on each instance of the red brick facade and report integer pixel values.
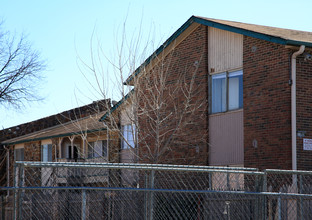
(267, 105)
(190, 144)
(266, 98)
(32, 150)
(304, 111)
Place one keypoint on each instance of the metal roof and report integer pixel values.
(83, 125)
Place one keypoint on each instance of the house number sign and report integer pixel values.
(307, 144)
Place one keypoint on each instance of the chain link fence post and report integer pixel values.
(151, 208)
(20, 191)
(264, 189)
(301, 200)
(3, 204)
(15, 192)
(279, 208)
(83, 204)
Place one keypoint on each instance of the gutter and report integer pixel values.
(293, 107)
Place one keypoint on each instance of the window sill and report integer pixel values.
(227, 112)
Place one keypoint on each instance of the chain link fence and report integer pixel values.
(145, 191)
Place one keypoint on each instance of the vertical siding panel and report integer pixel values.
(126, 114)
(226, 130)
(225, 50)
(126, 117)
(226, 139)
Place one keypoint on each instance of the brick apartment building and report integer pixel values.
(217, 93)
(231, 94)
(75, 135)
(252, 86)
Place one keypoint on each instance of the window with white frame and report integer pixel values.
(46, 153)
(19, 154)
(97, 149)
(226, 91)
(128, 136)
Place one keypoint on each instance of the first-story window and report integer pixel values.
(19, 154)
(97, 149)
(46, 153)
(128, 136)
(226, 91)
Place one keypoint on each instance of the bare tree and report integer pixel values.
(165, 104)
(20, 71)
(168, 105)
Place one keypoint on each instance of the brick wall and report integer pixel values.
(304, 111)
(267, 105)
(189, 145)
(32, 149)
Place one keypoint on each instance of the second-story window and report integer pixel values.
(128, 136)
(226, 91)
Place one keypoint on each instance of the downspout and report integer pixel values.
(293, 107)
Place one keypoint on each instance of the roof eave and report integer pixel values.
(160, 49)
(242, 31)
(298, 43)
(7, 143)
(207, 22)
(116, 106)
(267, 37)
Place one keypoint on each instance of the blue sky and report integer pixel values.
(61, 30)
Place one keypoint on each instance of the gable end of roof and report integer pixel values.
(235, 27)
(240, 31)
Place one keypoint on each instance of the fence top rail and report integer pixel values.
(162, 167)
(144, 165)
(110, 189)
(302, 172)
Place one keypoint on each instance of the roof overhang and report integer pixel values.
(82, 126)
(116, 106)
(270, 34)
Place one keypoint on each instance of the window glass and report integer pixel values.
(46, 153)
(128, 132)
(227, 91)
(97, 149)
(19, 154)
(104, 144)
(235, 90)
(218, 93)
